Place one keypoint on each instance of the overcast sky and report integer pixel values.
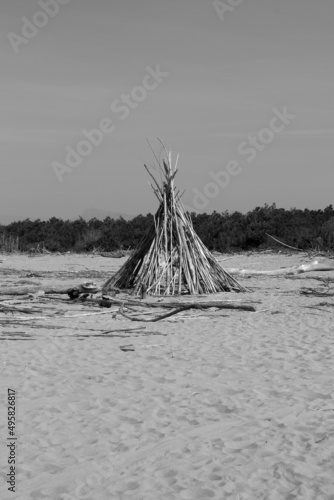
(226, 73)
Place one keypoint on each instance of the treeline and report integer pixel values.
(304, 229)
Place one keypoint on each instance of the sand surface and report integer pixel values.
(212, 405)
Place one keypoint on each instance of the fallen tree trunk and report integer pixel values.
(304, 268)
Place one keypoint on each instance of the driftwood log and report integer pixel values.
(11, 308)
(184, 305)
(185, 308)
(26, 290)
(304, 268)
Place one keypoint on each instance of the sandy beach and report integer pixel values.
(223, 404)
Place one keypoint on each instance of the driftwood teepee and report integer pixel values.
(171, 259)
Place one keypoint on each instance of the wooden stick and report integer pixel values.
(284, 244)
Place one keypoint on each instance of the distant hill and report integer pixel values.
(97, 213)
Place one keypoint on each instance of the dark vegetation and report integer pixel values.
(304, 229)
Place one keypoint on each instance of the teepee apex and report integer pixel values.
(171, 259)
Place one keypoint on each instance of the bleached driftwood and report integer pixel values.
(304, 268)
(183, 308)
(30, 290)
(27, 290)
(11, 308)
(180, 305)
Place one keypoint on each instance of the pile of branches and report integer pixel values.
(171, 259)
